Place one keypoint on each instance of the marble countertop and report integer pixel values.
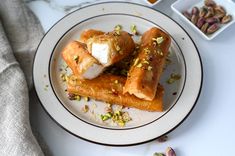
(207, 131)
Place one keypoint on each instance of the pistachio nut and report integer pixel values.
(212, 20)
(209, 14)
(226, 19)
(194, 19)
(170, 152)
(195, 11)
(187, 15)
(219, 15)
(200, 22)
(219, 8)
(213, 28)
(211, 9)
(203, 11)
(204, 27)
(158, 154)
(209, 3)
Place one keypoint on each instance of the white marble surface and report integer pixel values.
(209, 130)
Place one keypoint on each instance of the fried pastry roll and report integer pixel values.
(80, 61)
(111, 47)
(145, 72)
(87, 34)
(109, 88)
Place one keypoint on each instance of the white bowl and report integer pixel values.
(152, 4)
(186, 5)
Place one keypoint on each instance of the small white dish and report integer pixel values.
(186, 5)
(152, 3)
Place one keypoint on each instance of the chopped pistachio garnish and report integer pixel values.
(64, 77)
(46, 87)
(104, 117)
(159, 40)
(121, 123)
(136, 61)
(149, 68)
(173, 78)
(158, 154)
(118, 27)
(159, 52)
(77, 97)
(139, 65)
(117, 47)
(133, 29)
(85, 108)
(145, 62)
(126, 117)
(146, 50)
(86, 99)
(75, 58)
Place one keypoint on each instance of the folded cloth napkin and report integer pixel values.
(20, 33)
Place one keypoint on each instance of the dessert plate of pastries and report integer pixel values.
(117, 73)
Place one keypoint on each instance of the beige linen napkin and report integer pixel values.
(20, 33)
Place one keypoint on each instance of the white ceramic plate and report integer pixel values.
(186, 5)
(179, 99)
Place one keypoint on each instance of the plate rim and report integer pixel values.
(129, 144)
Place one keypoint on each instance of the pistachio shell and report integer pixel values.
(209, 3)
(187, 15)
(219, 15)
(194, 19)
(212, 20)
(219, 8)
(202, 12)
(170, 152)
(209, 14)
(226, 19)
(213, 28)
(211, 9)
(204, 27)
(200, 22)
(195, 11)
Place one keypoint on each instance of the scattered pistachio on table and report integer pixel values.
(209, 17)
(170, 152)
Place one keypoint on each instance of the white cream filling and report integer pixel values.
(93, 71)
(100, 52)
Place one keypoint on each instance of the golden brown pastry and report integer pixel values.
(87, 34)
(80, 61)
(109, 88)
(145, 72)
(111, 47)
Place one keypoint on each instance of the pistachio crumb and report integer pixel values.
(85, 109)
(139, 65)
(133, 29)
(145, 62)
(118, 27)
(173, 78)
(136, 61)
(150, 68)
(117, 47)
(159, 40)
(77, 97)
(86, 99)
(75, 58)
(158, 154)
